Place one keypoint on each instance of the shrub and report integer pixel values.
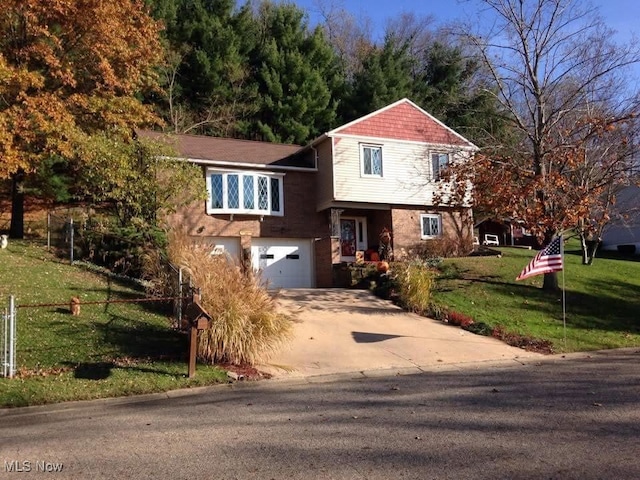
(479, 328)
(443, 247)
(414, 281)
(120, 249)
(246, 326)
(459, 319)
(437, 312)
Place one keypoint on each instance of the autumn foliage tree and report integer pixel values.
(69, 70)
(558, 77)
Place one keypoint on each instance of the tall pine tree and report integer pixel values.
(297, 75)
(385, 77)
(207, 78)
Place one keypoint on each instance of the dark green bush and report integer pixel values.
(120, 249)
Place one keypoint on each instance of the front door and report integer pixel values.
(353, 237)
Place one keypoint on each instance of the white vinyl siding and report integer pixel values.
(430, 226)
(407, 172)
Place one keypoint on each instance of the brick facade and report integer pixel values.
(325, 256)
(300, 218)
(457, 228)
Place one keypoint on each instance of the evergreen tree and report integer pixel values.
(297, 77)
(207, 74)
(385, 77)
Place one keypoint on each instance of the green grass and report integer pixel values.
(109, 350)
(602, 300)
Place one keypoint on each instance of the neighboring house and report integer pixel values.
(623, 231)
(508, 232)
(295, 212)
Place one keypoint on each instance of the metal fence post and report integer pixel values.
(71, 238)
(10, 365)
(5, 345)
(48, 231)
(180, 297)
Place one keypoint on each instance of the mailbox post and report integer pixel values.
(198, 319)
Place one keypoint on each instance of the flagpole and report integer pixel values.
(564, 298)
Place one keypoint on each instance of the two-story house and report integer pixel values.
(296, 211)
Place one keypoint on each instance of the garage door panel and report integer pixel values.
(284, 263)
(222, 246)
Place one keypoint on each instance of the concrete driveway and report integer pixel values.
(341, 331)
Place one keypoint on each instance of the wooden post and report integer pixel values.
(193, 349)
(198, 319)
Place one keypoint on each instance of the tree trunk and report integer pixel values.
(589, 249)
(550, 282)
(17, 205)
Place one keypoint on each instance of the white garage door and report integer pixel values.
(223, 245)
(285, 263)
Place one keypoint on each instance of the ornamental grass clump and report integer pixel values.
(414, 281)
(246, 327)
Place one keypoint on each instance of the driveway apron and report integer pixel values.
(339, 331)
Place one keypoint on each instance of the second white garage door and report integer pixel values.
(284, 262)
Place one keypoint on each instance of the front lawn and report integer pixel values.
(108, 350)
(602, 300)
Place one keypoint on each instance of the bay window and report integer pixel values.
(250, 193)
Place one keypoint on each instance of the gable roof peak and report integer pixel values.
(403, 120)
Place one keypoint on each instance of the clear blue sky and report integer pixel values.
(621, 15)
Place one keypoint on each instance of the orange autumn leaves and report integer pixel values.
(571, 187)
(69, 69)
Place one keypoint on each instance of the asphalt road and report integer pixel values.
(563, 418)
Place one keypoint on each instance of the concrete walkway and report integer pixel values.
(341, 331)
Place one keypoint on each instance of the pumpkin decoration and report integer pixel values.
(382, 267)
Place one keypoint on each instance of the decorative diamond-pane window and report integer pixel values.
(243, 192)
(263, 193)
(275, 194)
(372, 160)
(216, 190)
(431, 226)
(233, 192)
(248, 191)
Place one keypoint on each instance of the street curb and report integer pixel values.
(381, 373)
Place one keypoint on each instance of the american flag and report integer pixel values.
(546, 261)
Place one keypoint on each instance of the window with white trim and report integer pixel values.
(371, 160)
(430, 225)
(250, 193)
(439, 163)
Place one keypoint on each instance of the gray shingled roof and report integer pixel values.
(216, 149)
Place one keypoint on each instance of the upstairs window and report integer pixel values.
(249, 193)
(371, 156)
(430, 225)
(439, 163)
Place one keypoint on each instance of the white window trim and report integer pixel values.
(371, 175)
(424, 216)
(241, 210)
(435, 175)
